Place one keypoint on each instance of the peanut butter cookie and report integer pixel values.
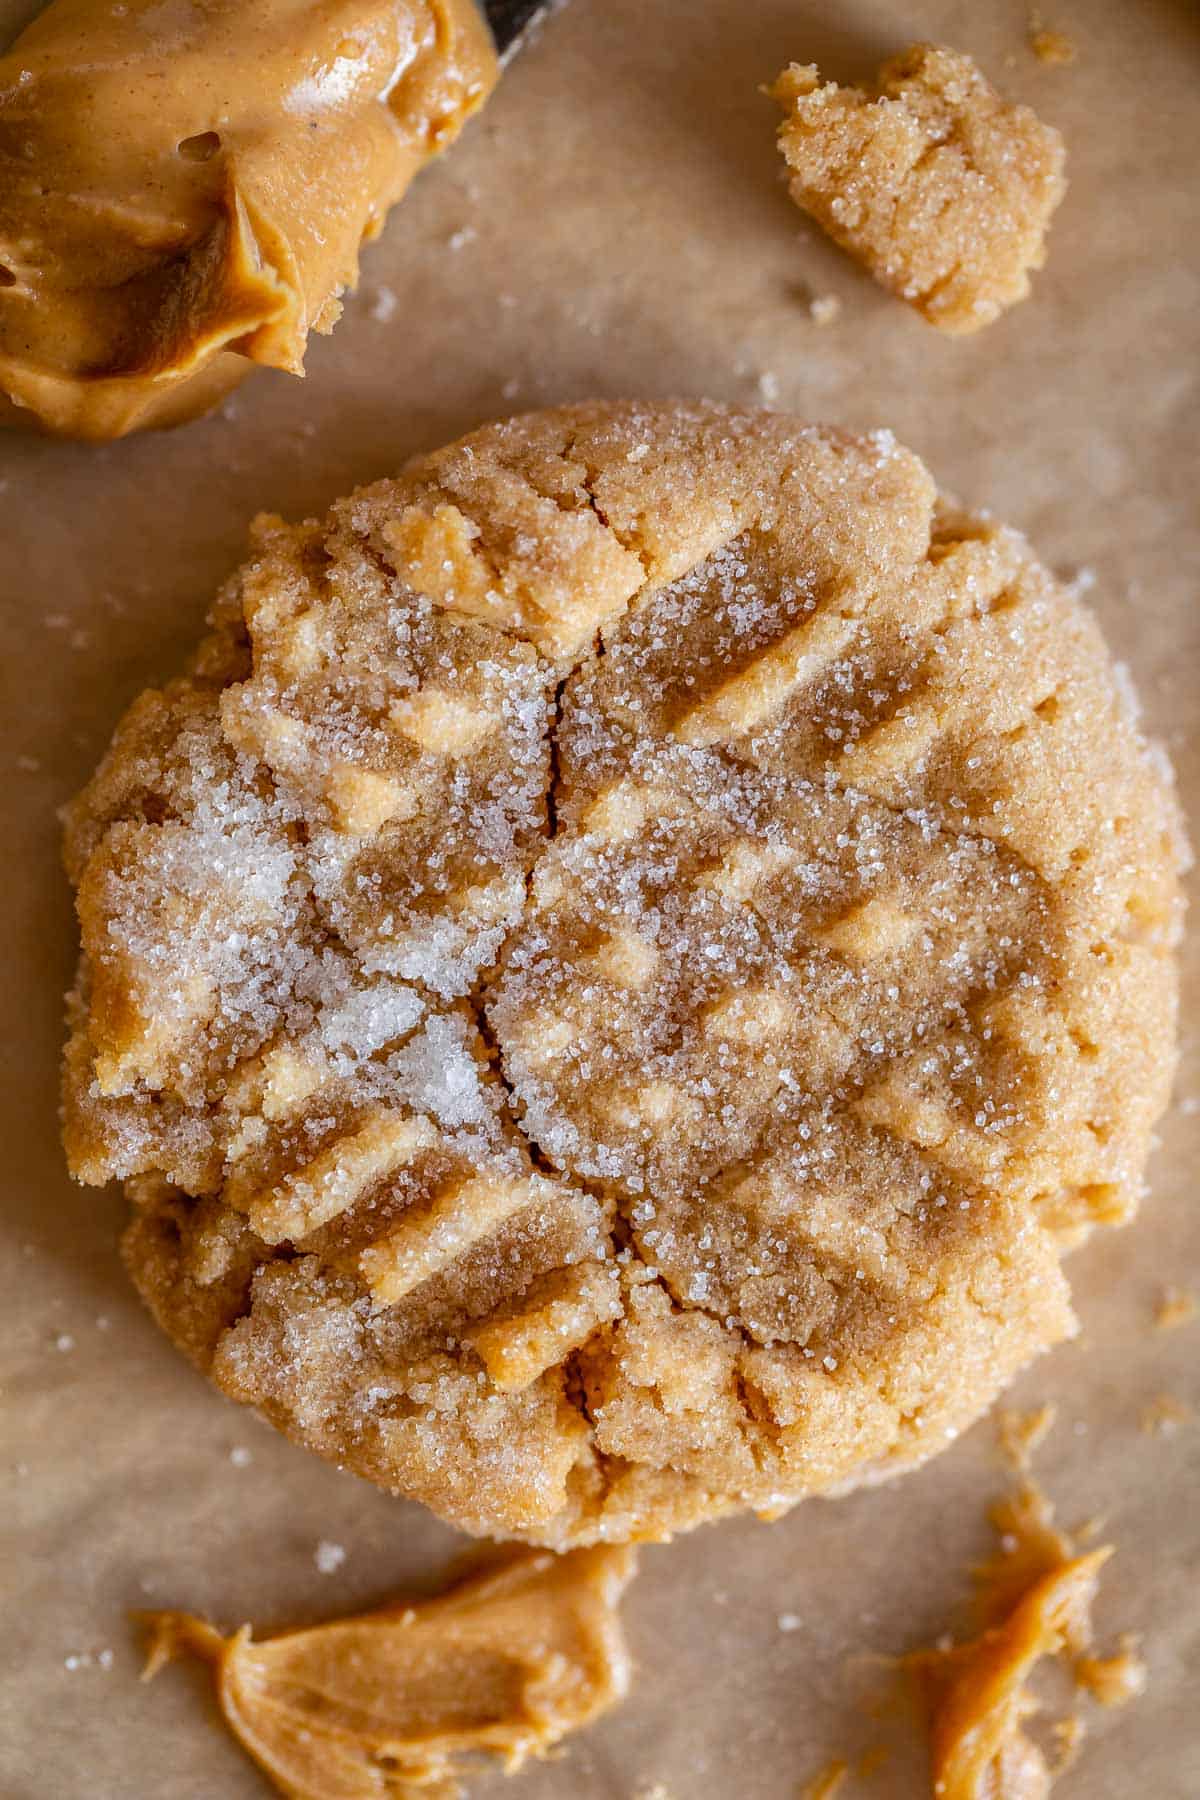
(621, 966)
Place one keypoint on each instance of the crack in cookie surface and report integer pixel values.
(618, 971)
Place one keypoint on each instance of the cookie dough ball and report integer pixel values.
(943, 190)
(620, 968)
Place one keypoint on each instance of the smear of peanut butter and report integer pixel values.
(389, 1703)
(1030, 1546)
(184, 187)
(978, 1693)
(1034, 1597)
(829, 1783)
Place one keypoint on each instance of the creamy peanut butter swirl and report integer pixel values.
(184, 186)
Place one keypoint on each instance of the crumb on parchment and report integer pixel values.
(1162, 1416)
(938, 186)
(1021, 1433)
(1117, 1679)
(1175, 1306)
(1050, 46)
(824, 309)
(383, 305)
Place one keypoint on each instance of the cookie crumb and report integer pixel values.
(88, 1659)
(1052, 47)
(1164, 1415)
(1067, 1735)
(329, 1557)
(1020, 1433)
(789, 1621)
(1114, 1680)
(939, 187)
(824, 309)
(241, 1458)
(1175, 1307)
(383, 305)
(64, 1342)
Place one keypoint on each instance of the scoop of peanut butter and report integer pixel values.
(184, 187)
(389, 1703)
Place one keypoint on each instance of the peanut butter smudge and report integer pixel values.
(828, 1783)
(386, 1705)
(1035, 1598)
(977, 1691)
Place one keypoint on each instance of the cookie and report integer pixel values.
(618, 971)
(943, 190)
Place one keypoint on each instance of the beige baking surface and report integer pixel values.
(614, 224)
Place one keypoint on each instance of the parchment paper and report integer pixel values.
(613, 225)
